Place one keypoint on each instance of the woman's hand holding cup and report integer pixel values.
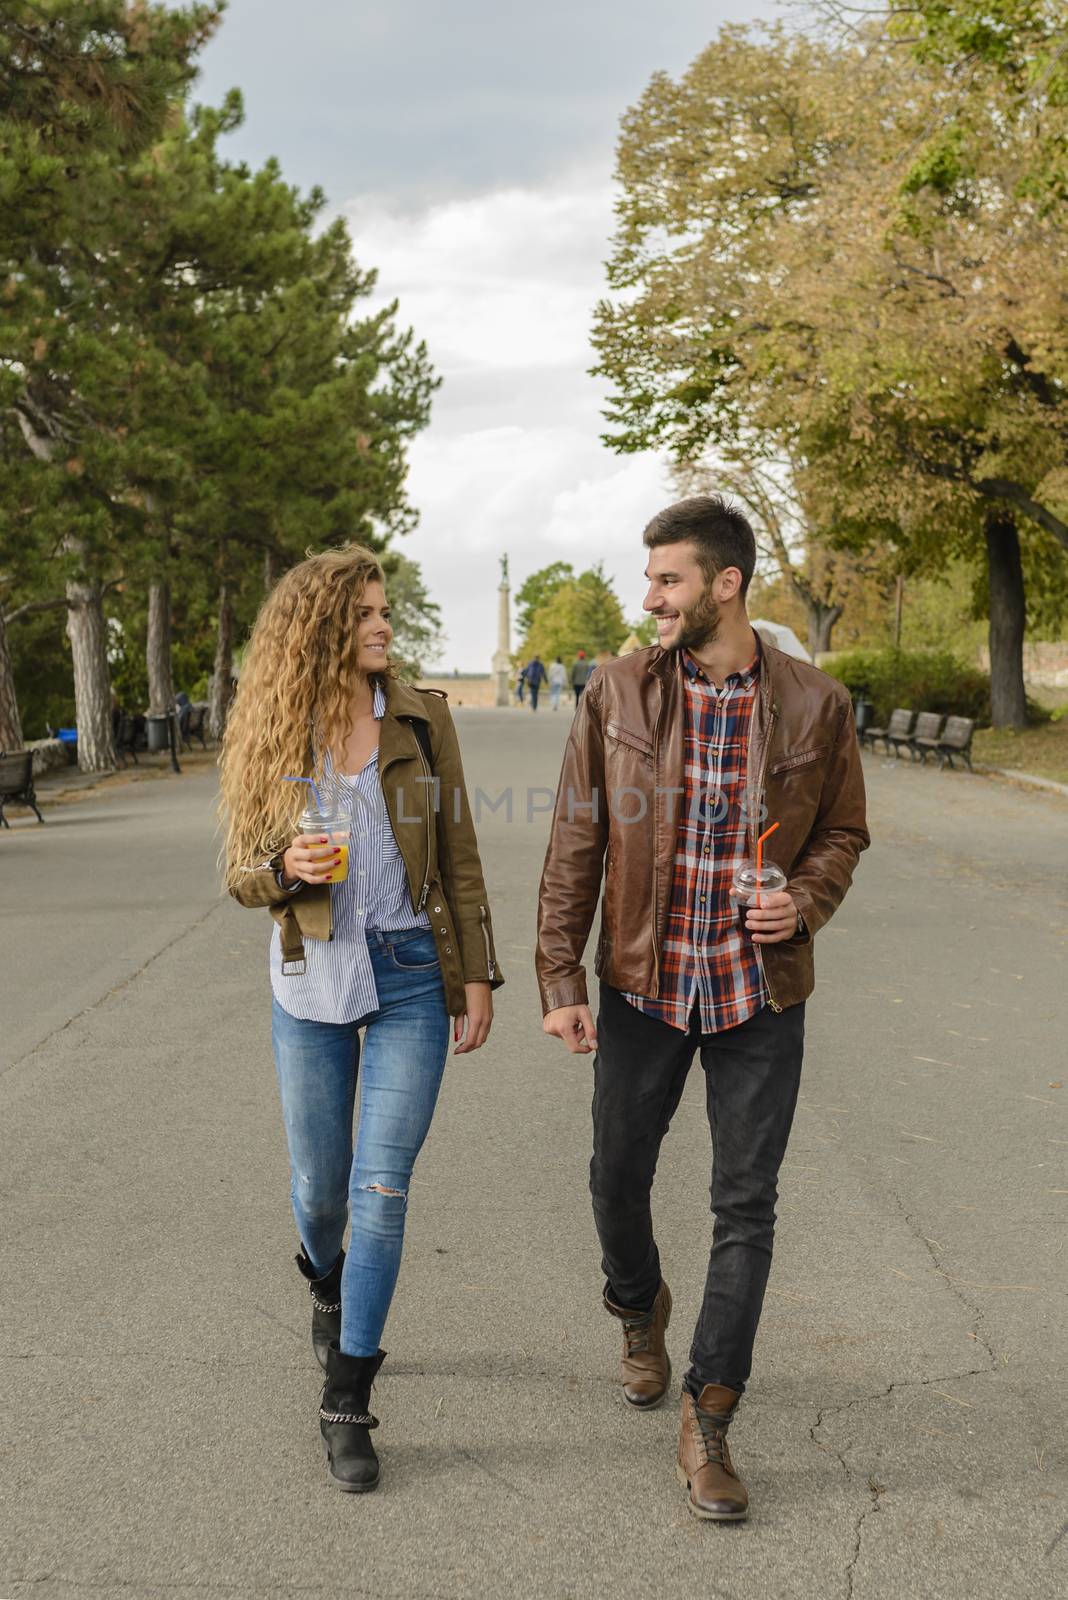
(311, 858)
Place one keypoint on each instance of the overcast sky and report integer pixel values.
(470, 145)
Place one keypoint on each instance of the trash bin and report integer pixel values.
(68, 737)
(862, 710)
(157, 732)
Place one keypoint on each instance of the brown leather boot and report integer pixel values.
(645, 1369)
(717, 1494)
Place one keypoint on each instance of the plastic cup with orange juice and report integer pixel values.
(337, 828)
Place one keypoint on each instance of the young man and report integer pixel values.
(580, 674)
(677, 755)
(535, 676)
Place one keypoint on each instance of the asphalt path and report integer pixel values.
(905, 1429)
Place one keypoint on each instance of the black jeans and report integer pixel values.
(752, 1074)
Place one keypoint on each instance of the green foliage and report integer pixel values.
(821, 258)
(644, 629)
(537, 590)
(40, 657)
(417, 634)
(190, 378)
(1018, 46)
(581, 614)
(921, 680)
(129, 672)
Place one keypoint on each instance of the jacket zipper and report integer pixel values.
(656, 770)
(491, 965)
(772, 1002)
(429, 804)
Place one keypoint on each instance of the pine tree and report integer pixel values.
(88, 87)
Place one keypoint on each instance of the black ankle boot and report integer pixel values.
(326, 1303)
(346, 1422)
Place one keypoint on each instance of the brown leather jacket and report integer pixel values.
(431, 821)
(617, 811)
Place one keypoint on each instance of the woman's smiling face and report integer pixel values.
(374, 631)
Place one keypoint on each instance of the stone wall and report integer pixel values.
(1045, 664)
(48, 754)
(475, 689)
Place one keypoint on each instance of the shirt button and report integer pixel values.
(448, 949)
(443, 930)
(437, 912)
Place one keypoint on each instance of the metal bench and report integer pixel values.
(956, 740)
(126, 739)
(897, 730)
(926, 735)
(16, 783)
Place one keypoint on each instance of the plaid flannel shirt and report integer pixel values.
(707, 960)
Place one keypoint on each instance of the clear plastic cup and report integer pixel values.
(749, 885)
(337, 828)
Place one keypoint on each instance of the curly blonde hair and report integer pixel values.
(293, 701)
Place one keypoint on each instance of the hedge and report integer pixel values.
(922, 680)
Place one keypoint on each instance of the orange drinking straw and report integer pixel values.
(760, 857)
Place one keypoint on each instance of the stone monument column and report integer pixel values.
(502, 657)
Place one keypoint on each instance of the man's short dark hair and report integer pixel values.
(719, 532)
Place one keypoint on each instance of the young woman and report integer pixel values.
(394, 945)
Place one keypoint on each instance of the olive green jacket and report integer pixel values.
(431, 821)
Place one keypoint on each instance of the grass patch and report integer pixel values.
(1043, 750)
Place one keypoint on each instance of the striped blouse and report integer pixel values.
(338, 982)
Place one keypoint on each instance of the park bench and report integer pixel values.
(126, 739)
(925, 735)
(955, 740)
(898, 729)
(16, 783)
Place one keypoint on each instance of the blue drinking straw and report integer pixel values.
(311, 784)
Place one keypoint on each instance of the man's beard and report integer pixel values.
(700, 625)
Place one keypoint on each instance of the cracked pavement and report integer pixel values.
(905, 1428)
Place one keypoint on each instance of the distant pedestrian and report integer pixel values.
(184, 707)
(536, 676)
(557, 679)
(519, 682)
(580, 674)
(381, 930)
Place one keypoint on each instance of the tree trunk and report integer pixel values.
(224, 664)
(158, 649)
(10, 724)
(87, 632)
(272, 568)
(1008, 616)
(821, 621)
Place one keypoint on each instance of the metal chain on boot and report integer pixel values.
(365, 1420)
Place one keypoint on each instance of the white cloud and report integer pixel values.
(502, 287)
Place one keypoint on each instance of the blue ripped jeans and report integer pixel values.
(318, 1063)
